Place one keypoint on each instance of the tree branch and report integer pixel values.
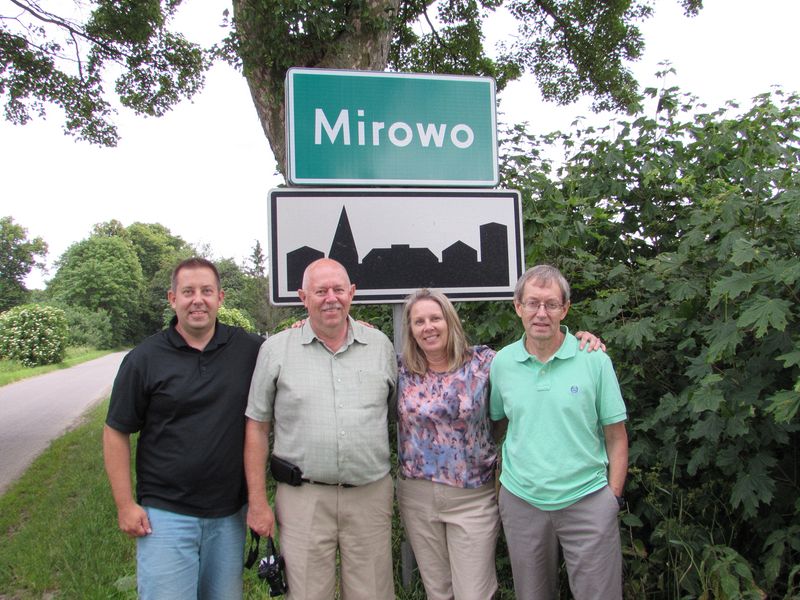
(73, 30)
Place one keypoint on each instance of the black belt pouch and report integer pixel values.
(284, 471)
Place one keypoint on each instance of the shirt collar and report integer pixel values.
(568, 348)
(222, 334)
(355, 332)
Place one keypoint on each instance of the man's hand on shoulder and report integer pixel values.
(589, 341)
(133, 520)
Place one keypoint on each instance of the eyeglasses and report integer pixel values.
(533, 306)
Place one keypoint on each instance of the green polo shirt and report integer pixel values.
(329, 409)
(554, 453)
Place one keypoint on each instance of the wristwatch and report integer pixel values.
(620, 501)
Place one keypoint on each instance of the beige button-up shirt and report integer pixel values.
(328, 409)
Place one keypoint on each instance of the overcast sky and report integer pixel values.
(205, 169)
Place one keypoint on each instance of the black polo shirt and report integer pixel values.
(188, 407)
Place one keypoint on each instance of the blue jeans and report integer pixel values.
(189, 558)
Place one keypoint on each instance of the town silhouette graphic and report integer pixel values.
(401, 266)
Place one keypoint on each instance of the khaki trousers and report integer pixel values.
(453, 532)
(315, 520)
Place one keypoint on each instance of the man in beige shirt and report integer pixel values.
(325, 390)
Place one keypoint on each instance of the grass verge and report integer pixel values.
(59, 536)
(12, 370)
(57, 523)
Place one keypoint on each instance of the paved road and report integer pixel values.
(35, 411)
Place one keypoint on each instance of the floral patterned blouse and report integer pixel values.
(443, 423)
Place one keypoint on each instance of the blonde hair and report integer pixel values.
(457, 349)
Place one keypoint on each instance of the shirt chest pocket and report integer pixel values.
(372, 388)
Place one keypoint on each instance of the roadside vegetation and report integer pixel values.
(14, 370)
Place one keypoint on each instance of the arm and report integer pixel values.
(617, 450)
(499, 429)
(131, 517)
(256, 449)
(590, 339)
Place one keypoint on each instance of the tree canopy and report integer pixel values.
(114, 283)
(573, 47)
(102, 272)
(60, 56)
(18, 255)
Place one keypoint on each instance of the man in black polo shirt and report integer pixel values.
(184, 390)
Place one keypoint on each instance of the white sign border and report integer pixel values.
(291, 160)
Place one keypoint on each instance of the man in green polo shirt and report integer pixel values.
(565, 455)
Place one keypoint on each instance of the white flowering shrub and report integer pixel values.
(33, 334)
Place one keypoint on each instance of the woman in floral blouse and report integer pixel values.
(446, 486)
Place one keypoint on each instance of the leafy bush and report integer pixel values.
(678, 231)
(33, 334)
(89, 327)
(236, 318)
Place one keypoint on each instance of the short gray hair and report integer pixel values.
(543, 274)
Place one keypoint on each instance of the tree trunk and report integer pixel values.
(361, 48)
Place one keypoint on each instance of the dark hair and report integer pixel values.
(194, 262)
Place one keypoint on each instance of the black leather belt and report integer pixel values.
(342, 485)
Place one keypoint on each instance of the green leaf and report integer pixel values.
(700, 458)
(707, 399)
(651, 282)
(636, 332)
(772, 567)
(764, 313)
(753, 484)
(731, 287)
(723, 338)
(784, 271)
(684, 289)
(744, 251)
(631, 520)
(784, 405)
(790, 359)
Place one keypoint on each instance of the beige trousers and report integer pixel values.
(316, 520)
(453, 532)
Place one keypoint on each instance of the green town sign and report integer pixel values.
(399, 129)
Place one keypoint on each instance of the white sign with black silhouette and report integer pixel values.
(467, 243)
